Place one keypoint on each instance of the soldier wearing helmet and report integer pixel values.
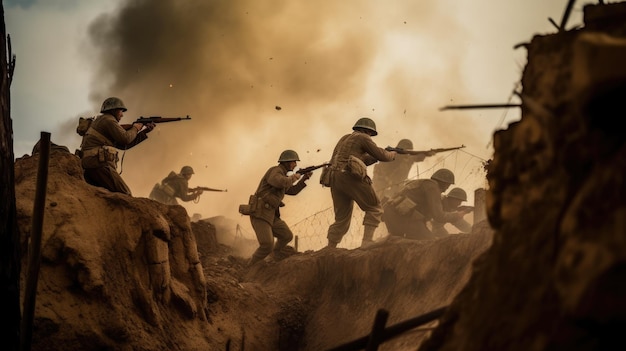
(175, 186)
(389, 177)
(452, 202)
(349, 183)
(419, 201)
(100, 144)
(265, 206)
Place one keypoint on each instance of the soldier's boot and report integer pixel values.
(252, 261)
(368, 236)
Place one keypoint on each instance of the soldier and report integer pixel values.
(175, 186)
(349, 183)
(418, 202)
(450, 203)
(99, 146)
(389, 177)
(266, 202)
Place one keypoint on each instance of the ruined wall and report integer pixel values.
(555, 276)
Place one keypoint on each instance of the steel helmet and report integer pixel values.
(366, 123)
(405, 144)
(444, 175)
(113, 103)
(186, 170)
(288, 155)
(458, 193)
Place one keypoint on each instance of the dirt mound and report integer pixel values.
(125, 273)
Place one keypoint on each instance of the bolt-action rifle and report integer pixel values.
(154, 119)
(311, 168)
(465, 208)
(204, 188)
(413, 152)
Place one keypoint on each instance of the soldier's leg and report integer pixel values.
(368, 201)
(283, 237)
(393, 222)
(263, 231)
(342, 205)
(108, 178)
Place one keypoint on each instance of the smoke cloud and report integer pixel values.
(259, 77)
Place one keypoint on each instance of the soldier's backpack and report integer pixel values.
(83, 124)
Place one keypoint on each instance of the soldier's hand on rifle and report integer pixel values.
(149, 126)
(430, 153)
(306, 176)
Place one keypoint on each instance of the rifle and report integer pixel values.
(413, 152)
(204, 188)
(311, 168)
(465, 208)
(154, 119)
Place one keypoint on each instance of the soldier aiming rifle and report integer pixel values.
(204, 188)
(311, 168)
(430, 152)
(155, 119)
(177, 186)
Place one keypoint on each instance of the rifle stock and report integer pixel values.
(204, 188)
(155, 119)
(421, 152)
(311, 168)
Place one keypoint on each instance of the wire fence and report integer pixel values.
(310, 213)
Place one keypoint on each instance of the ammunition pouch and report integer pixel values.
(249, 208)
(107, 154)
(104, 153)
(356, 167)
(244, 209)
(266, 208)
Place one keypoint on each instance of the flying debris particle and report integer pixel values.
(278, 108)
(171, 85)
(318, 150)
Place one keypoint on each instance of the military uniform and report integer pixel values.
(389, 177)
(349, 183)
(99, 152)
(265, 210)
(450, 205)
(172, 187)
(407, 214)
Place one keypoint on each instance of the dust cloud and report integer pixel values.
(259, 77)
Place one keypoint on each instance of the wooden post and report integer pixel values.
(480, 211)
(34, 249)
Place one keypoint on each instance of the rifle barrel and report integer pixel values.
(468, 107)
(157, 119)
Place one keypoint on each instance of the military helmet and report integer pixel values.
(288, 155)
(365, 123)
(405, 144)
(444, 175)
(457, 193)
(113, 103)
(186, 170)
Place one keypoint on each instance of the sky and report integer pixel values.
(260, 77)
